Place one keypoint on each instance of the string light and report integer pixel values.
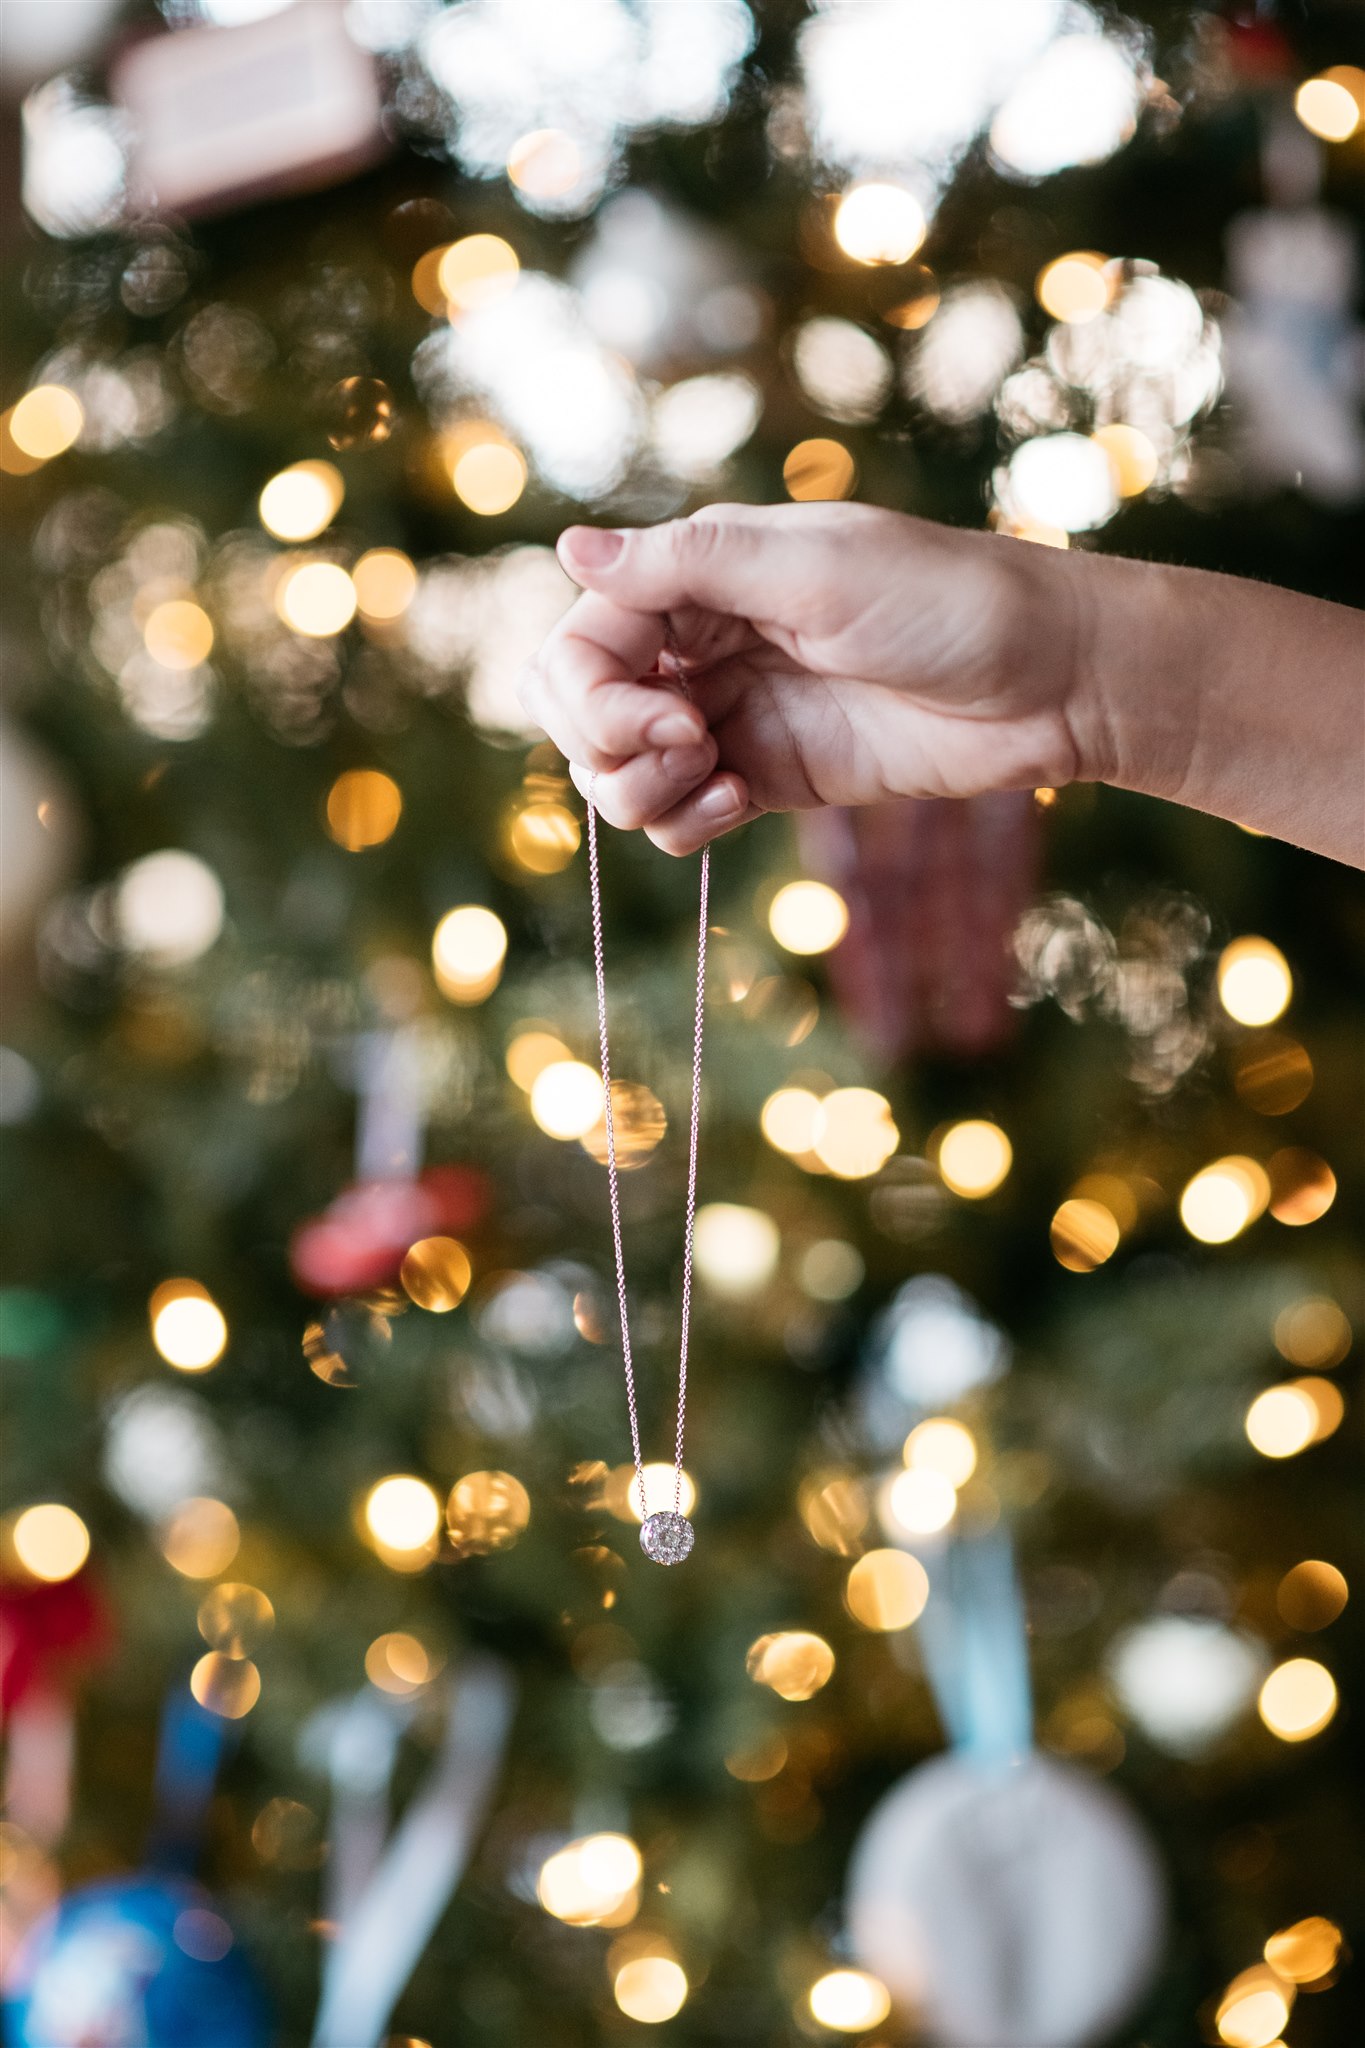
(45, 421)
(788, 1120)
(1254, 2009)
(807, 917)
(1307, 1952)
(886, 1590)
(226, 1686)
(486, 1511)
(567, 1099)
(403, 1516)
(546, 164)
(51, 1542)
(363, 809)
(833, 1506)
(855, 1133)
(1303, 1187)
(877, 222)
(849, 2001)
(542, 837)
(973, 1158)
(188, 1328)
(232, 1619)
(1132, 458)
(921, 1503)
(650, 1989)
(178, 633)
(942, 1445)
(317, 599)
(1313, 1332)
(487, 471)
(1084, 1233)
(476, 271)
(638, 1121)
(592, 1882)
(735, 1249)
(385, 585)
(818, 469)
(793, 1662)
(1254, 981)
(1311, 1595)
(1222, 1199)
(397, 1663)
(170, 907)
(831, 1269)
(435, 1273)
(1327, 106)
(1298, 1699)
(1281, 1422)
(1074, 288)
(661, 1485)
(201, 1538)
(468, 949)
(302, 500)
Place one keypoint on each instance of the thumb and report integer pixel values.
(745, 567)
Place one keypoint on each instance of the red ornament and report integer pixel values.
(49, 1635)
(359, 1241)
(934, 889)
(1258, 51)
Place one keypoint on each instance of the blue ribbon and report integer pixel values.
(975, 1649)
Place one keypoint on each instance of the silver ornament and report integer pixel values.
(666, 1537)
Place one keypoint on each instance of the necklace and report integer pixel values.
(666, 1535)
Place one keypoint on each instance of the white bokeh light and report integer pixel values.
(1061, 480)
(841, 369)
(1186, 1679)
(1076, 104)
(698, 424)
(169, 907)
(973, 342)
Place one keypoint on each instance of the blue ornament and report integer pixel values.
(139, 1960)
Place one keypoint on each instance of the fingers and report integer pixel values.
(651, 785)
(719, 805)
(584, 688)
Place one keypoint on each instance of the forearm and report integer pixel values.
(1230, 696)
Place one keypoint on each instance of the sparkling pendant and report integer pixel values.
(666, 1537)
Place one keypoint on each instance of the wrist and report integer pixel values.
(1134, 655)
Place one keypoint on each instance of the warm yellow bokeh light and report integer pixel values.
(661, 1495)
(436, 1273)
(1303, 1186)
(1306, 1952)
(788, 1120)
(51, 1542)
(233, 1619)
(878, 222)
(1223, 1198)
(1282, 1421)
(486, 1511)
(807, 917)
(887, 1589)
(488, 473)
(849, 2001)
(363, 808)
(1084, 1233)
(1315, 1331)
(201, 1537)
(46, 421)
(921, 1503)
(476, 271)
(188, 1328)
(1311, 1595)
(226, 1686)
(1298, 1699)
(1074, 288)
(793, 1662)
(402, 1513)
(301, 500)
(855, 1133)
(1328, 1404)
(942, 1445)
(834, 1508)
(973, 1158)
(546, 164)
(650, 1989)
(1132, 458)
(542, 837)
(567, 1098)
(819, 469)
(1254, 981)
(385, 584)
(1254, 2009)
(1328, 108)
(468, 949)
(397, 1663)
(530, 1052)
(316, 599)
(638, 1125)
(735, 1248)
(178, 633)
(591, 1882)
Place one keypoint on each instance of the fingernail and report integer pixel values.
(681, 762)
(719, 801)
(594, 546)
(674, 729)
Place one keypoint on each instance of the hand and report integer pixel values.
(832, 654)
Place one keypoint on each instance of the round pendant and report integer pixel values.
(666, 1537)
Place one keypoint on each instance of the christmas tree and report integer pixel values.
(1028, 1255)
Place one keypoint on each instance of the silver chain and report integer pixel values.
(613, 1185)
